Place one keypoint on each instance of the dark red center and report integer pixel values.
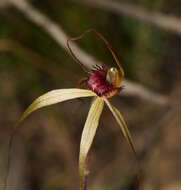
(97, 81)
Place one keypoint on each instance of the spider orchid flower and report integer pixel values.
(102, 84)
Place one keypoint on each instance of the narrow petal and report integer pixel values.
(122, 124)
(88, 134)
(55, 96)
(125, 131)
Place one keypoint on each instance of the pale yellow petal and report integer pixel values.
(56, 96)
(88, 134)
(126, 133)
(122, 124)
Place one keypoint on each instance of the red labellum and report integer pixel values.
(97, 82)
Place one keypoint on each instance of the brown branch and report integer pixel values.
(160, 20)
(57, 33)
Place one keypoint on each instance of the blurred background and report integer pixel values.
(33, 60)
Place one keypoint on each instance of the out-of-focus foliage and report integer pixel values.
(45, 153)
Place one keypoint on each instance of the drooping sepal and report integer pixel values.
(88, 134)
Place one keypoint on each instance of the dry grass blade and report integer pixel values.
(88, 134)
(119, 118)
